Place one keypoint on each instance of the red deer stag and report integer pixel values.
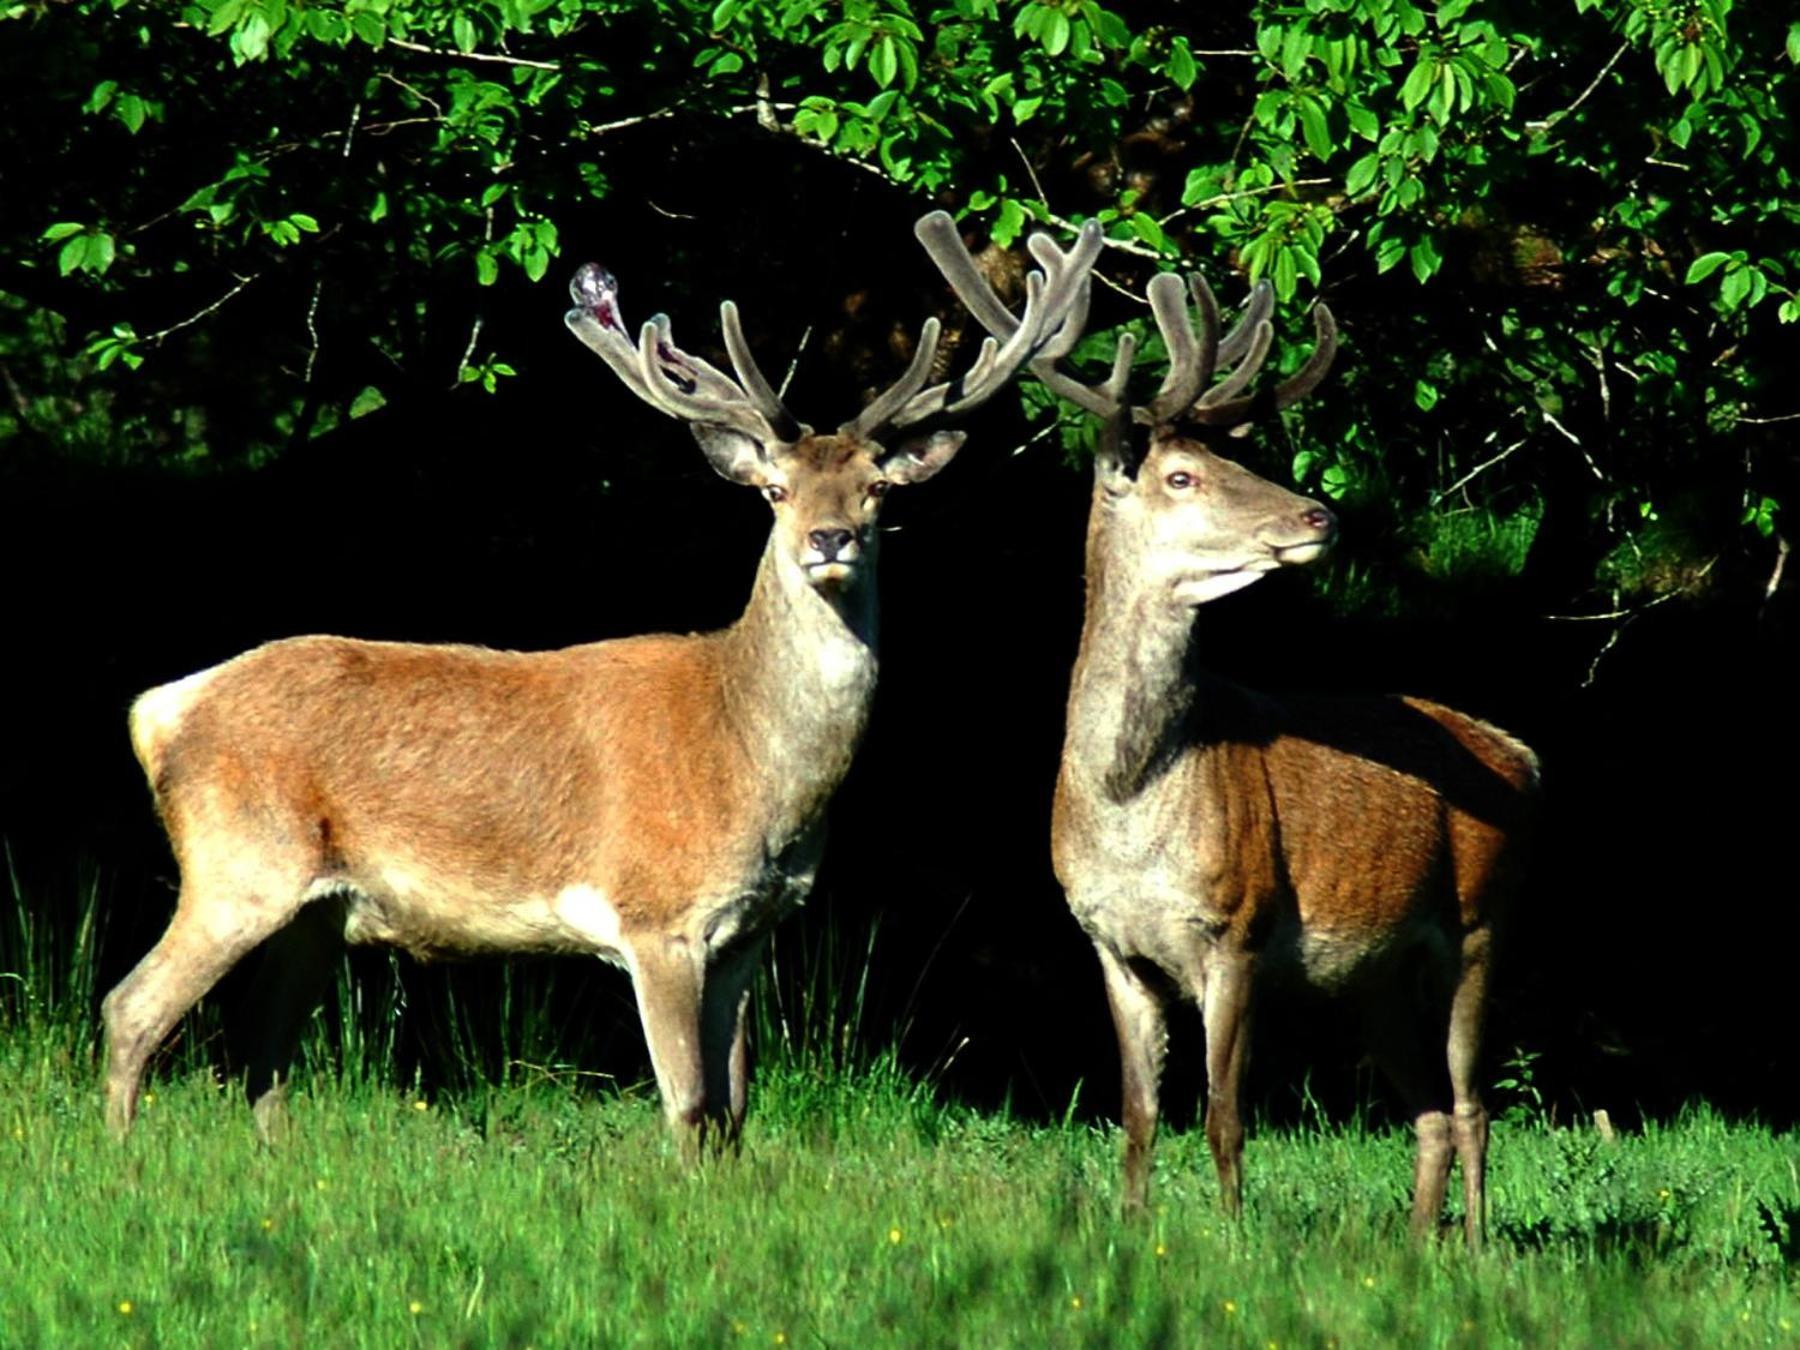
(1212, 839)
(656, 801)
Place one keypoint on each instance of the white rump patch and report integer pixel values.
(157, 714)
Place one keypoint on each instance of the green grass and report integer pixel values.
(526, 1202)
(859, 1212)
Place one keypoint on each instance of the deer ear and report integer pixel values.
(919, 459)
(733, 454)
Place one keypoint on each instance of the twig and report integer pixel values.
(195, 318)
(312, 331)
(1224, 197)
(1042, 433)
(1030, 171)
(350, 131)
(1229, 51)
(471, 56)
(1110, 284)
(1599, 358)
(675, 110)
(1782, 549)
(1551, 419)
(1124, 246)
(1767, 421)
(1482, 467)
(462, 365)
(793, 365)
(1544, 124)
(419, 94)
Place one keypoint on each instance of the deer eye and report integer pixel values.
(879, 488)
(775, 493)
(1179, 480)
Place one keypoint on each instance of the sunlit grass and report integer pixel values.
(857, 1211)
(544, 1205)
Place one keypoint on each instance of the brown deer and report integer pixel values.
(655, 801)
(1212, 839)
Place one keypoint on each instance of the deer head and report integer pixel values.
(1193, 524)
(825, 490)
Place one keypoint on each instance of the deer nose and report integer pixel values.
(830, 542)
(1318, 518)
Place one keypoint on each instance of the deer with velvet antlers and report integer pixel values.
(1211, 839)
(655, 801)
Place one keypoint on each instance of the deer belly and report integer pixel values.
(430, 921)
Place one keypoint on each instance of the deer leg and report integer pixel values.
(1469, 1122)
(669, 976)
(291, 978)
(1143, 1031)
(213, 928)
(1225, 1009)
(724, 1047)
(1398, 1039)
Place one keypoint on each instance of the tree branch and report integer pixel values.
(194, 318)
(471, 56)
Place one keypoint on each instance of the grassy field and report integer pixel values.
(860, 1212)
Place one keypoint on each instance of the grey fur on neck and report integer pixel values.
(800, 681)
(1132, 699)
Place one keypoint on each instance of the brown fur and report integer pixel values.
(1213, 840)
(657, 801)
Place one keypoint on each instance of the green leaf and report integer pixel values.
(1425, 259)
(379, 210)
(1361, 174)
(1419, 83)
(61, 230)
(1055, 33)
(101, 249)
(1425, 394)
(487, 268)
(1793, 43)
(131, 110)
(1312, 124)
(462, 28)
(367, 402)
(1705, 265)
(1008, 223)
(1183, 69)
(884, 63)
(72, 255)
(1362, 121)
(305, 222)
(1023, 108)
(1146, 228)
(1735, 287)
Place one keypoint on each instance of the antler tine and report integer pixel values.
(881, 412)
(1290, 391)
(1243, 333)
(1260, 338)
(750, 376)
(595, 321)
(943, 242)
(652, 365)
(1054, 304)
(1056, 264)
(724, 404)
(1191, 360)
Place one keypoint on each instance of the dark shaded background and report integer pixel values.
(1651, 964)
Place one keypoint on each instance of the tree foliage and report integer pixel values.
(1562, 235)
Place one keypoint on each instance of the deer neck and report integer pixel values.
(800, 675)
(1134, 697)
